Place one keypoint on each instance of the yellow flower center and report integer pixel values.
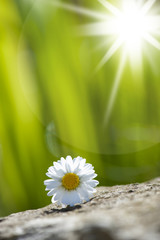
(70, 181)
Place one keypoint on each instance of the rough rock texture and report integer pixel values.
(129, 212)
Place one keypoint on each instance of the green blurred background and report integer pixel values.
(52, 104)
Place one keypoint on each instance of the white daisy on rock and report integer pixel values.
(72, 181)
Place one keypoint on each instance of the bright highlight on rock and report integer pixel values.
(72, 181)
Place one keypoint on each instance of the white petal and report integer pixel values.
(80, 165)
(69, 164)
(76, 163)
(88, 177)
(75, 198)
(66, 198)
(63, 164)
(51, 192)
(88, 167)
(68, 168)
(71, 198)
(50, 184)
(53, 200)
(77, 160)
(58, 169)
(60, 173)
(92, 183)
(69, 159)
(48, 181)
(51, 175)
(57, 165)
(59, 203)
(85, 195)
(82, 172)
(58, 194)
(51, 170)
(82, 162)
(90, 189)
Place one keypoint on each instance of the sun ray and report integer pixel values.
(156, 19)
(150, 60)
(147, 6)
(140, 3)
(80, 10)
(102, 45)
(115, 88)
(95, 29)
(110, 7)
(154, 23)
(156, 32)
(110, 53)
(154, 42)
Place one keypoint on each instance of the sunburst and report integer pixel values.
(131, 24)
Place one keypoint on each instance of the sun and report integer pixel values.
(131, 24)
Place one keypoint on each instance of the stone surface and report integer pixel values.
(127, 212)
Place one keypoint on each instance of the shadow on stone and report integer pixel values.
(67, 209)
(2, 219)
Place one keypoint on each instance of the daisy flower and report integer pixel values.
(71, 181)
